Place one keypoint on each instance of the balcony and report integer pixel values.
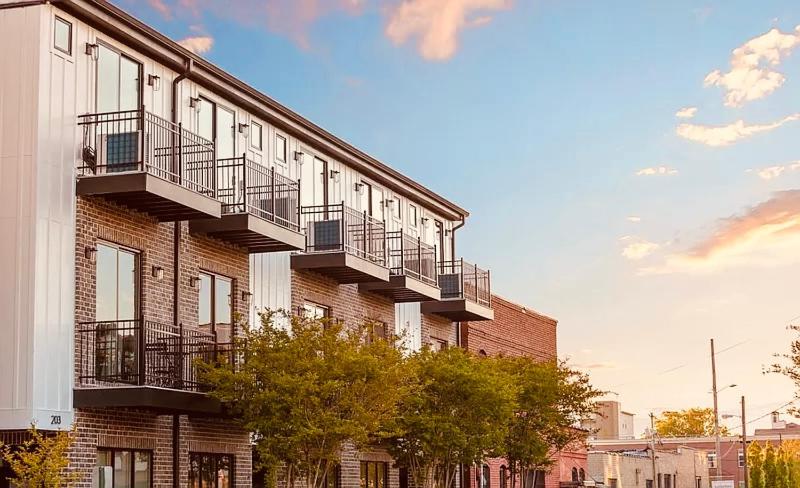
(343, 244)
(143, 364)
(260, 210)
(466, 293)
(146, 163)
(412, 271)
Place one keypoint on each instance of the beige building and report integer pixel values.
(610, 422)
(681, 468)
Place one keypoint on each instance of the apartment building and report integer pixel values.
(517, 330)
(611, 422)
(149, 199)
(680, 468)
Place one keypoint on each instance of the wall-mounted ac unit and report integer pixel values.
(119, 152)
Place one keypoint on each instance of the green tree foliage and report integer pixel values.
(692, 422)
(770, 467)
(456, 412)
(307, 391)
(42, 461)
(782, 470)
(551, 400)
(755, 465)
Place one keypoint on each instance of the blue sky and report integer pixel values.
(538, 116)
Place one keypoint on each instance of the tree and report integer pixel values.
(770, 467)
(42, 461)
(307, 392)
(456, 412)
(755, 465)
(551, 399)
(782, 470)
(693, 422)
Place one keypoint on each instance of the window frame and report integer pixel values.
(114, 450)
(413, 223)
(364, 468)
(253, 124)
(215, 456)
(278, 159)
(58, 19)
(212, 301)
(140, 79)
(308, 304)
(137, 277)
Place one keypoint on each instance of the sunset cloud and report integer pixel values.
(637, 249)
(777, 170)
(723, 135)
(437, 24)
(198, 44)
(752, 75)
(686, 112)
(767, 234)
(161, 7)
(657, 171)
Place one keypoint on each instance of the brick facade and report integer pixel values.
(519, 331)
(98, 220)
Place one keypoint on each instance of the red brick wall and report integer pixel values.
(515, 330)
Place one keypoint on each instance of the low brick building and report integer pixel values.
(680, 468)
(520, 331)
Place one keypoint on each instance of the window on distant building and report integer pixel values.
(503, 477)
(741, 458)
(374, 474)
(698, 482)
(439, 344)
(660, 479)
(667, 481)
(123, 468)
(582, 474)
(575, 474)
(486, 474)
(376, 331)
(648, 483)
(315, 311)
(332, 477)
(712, 459)
(210, 470)
(63, 36)
(612, 482)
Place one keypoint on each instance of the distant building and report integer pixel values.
(681, 468)
(779, 427)
(611, 422)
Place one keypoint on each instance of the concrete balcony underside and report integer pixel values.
(161, 400)
(144, 192)
(403, 289)
(340, 266)
(458, 310)
(253, 233)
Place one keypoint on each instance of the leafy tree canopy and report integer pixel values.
(41, 461)
(693, 422)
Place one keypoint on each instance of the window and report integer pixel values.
(376, 204)
(376, 331)
(315, 311)
(214, 304)
(210, 470)
(365, 197)
(439, 344)
(118, 80)
(62, 37)
(280, 148)
(412, 215)
(396, 210)
(698, 481)
(374, 474)
(582, 475)
(534, 479)
(712, 459)
(503, 477)
(648, 483)
(660, 479)
(256, 134)
(123, 468)
(667, 481)
(741, 458)
(216, 123)
(575, 474)
(331, 479)
(612, 482)
(486, 474)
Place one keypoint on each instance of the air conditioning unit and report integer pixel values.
(119, 152)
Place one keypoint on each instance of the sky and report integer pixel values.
(631, 167)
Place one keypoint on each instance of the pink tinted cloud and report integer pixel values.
(436, 25)
(161, 7)
(198, 44)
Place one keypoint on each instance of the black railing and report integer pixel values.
(144, 353)
(409, 256)
(137, 140)
(339, 228)
(460, 279)
(245, 186)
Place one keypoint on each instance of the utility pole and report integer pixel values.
(653, 446)
(716, 409)
(744, 447)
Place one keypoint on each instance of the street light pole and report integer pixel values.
(744, 447)
(716, 409)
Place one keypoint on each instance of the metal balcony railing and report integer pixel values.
(460, 279)
(137, 140)
(339, 228)
(245, 186)
(144, 353)
(409, 256)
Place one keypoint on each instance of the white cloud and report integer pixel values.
(777, 170)
(657, 171)
(639, 249)
(437, 24)
(724, 135)
(686, 112)
(198, 44)
(633, 218)
(767, 234)
(752, 75)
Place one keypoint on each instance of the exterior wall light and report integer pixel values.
(158, 273)
(335, 175)
(92, 50)
(299, 156)
(246, 295)
(359, 188)
(90, 252)
(195, 102)
(243, 129)
(154, 81)
(194, 282)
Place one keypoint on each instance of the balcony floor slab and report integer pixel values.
(403, 289)
(458, 310)
(162, 400)
(340, 266)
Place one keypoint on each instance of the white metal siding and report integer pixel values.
(270, 284)
(408, 325)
